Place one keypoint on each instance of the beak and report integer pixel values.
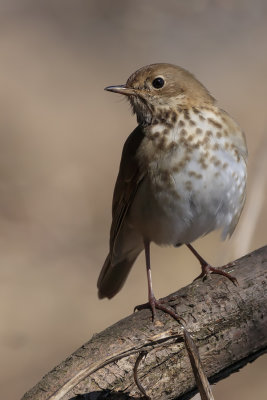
(121, 89)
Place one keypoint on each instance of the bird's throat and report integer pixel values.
(142, 109)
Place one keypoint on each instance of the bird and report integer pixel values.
(182, 174)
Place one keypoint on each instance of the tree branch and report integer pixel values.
(228, 324)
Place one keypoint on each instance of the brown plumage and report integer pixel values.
(124, 244)
(182, 172)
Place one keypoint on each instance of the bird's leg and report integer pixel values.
(208, 269)
(151, 297)
(153, 303)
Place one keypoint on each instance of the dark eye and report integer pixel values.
(158, 83)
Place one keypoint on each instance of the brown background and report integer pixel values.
(60, 142)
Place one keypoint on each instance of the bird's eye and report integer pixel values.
(158, 83)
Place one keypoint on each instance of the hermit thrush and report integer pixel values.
(182, 173)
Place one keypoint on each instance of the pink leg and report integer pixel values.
(153, 303)
(208, 269)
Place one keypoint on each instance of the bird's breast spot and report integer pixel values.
(158, 128)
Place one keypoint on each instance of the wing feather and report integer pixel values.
(128, 181)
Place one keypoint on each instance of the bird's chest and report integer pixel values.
(194, 183)
(184, 177)
(193, 157)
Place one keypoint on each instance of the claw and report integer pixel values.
(208, 269)
(155, 304)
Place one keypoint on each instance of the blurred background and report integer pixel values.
(61, 137)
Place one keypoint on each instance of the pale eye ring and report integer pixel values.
(158, 82)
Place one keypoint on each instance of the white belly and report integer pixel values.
(194, 202)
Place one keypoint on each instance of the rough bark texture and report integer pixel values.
(227, 323)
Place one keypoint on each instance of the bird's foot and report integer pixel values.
(150, 304)
(155, 304)
(208, 269)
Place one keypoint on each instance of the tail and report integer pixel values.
(112, 277)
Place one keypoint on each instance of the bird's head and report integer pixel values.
(159, 87)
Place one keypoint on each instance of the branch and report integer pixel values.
(228, 324)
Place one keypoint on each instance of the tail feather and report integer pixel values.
(112, 277)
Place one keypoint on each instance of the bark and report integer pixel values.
(228, 325)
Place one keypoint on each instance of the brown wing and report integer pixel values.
(125, 243)
(127, 183)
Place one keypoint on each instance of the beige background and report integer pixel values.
(60, 142)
